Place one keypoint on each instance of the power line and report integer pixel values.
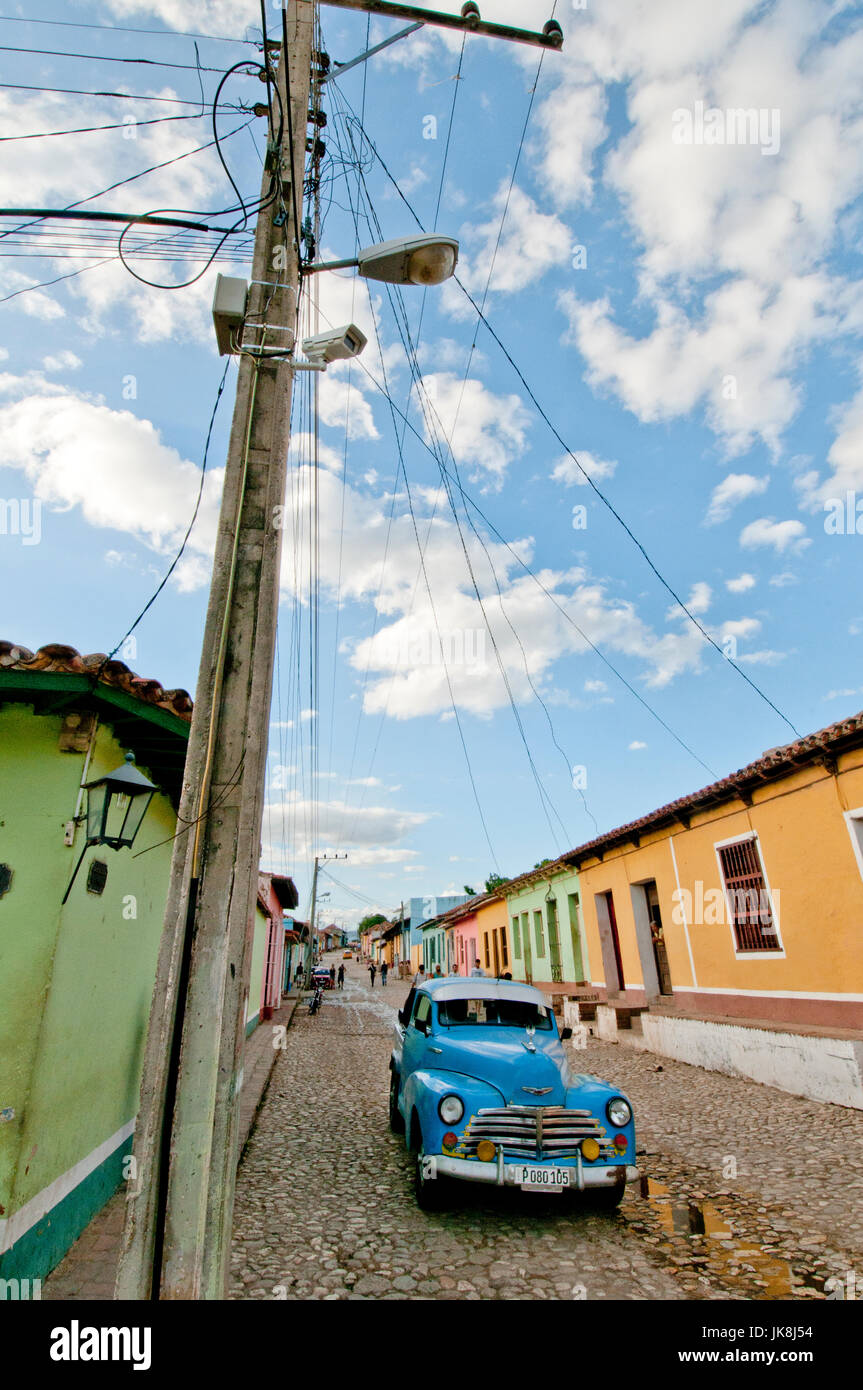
(106, 58)
(124, 29)
(90, 129)
(179, 555)
(606, 502)
(77, 92)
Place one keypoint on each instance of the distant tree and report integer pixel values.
(471, 892)
(494, 881)
(373, 921)
(541, 862)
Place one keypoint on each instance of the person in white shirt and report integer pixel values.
(477, 969)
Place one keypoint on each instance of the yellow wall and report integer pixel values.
(808, 859)
(489, 920)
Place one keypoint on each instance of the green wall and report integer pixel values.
(256, 978)
(526, 904)
(75, 981)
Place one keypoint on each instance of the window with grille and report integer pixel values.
(748, 897)
(503, 951)
(516, 939)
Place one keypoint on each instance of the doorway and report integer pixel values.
(610, 943)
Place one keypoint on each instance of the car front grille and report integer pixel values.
(533, 1131)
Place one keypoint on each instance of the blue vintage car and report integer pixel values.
(482, 1090)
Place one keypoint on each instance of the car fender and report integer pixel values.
(425, 1088)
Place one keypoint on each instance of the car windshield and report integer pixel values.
(501, 1013)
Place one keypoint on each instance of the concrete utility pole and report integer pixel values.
(181, 1194)
(179, 1212)
(313, 941)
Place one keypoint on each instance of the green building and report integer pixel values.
(547, 942)
(76, 978)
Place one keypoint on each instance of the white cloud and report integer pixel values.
(761, 658)
(532, 242)
(740, 584)
(486, 432)
(63, 361)
(781, 535)
(762, 226)
(114, 466)
(568, 472)
(635, 745)
(730, 493)
(595, 687)
(698, 602)
(845, 459)
(781, 581)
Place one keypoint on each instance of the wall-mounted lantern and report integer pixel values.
(116, 805)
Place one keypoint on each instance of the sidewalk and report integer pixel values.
(90, 1268)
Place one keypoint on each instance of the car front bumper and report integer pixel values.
(504, 1174)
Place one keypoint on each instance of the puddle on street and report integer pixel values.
(728, 1259)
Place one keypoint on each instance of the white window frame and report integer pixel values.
(777, 953)
(851, 817)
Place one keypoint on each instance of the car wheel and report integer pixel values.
(397, 1124)
(431, 1193)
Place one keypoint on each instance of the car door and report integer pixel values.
(416, 1040)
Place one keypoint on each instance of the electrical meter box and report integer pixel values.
(229, 311)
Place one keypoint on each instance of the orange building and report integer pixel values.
(744, 899)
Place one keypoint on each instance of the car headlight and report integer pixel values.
(451, 1110)
(619, 1111)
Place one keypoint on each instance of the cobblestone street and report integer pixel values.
(325, 1206)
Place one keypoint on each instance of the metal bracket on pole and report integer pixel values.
(470, 23)
(369, 53)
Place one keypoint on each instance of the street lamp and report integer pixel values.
(418, 260)
(116, 805)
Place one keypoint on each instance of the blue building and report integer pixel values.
(420, 910)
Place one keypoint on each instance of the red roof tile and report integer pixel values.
(56, 657)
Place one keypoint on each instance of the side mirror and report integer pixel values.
(565, 1033)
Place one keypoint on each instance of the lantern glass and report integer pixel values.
(97, 811)
(117, 804)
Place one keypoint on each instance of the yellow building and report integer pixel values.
(743, 900)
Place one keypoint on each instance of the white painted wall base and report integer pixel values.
(825, 1069)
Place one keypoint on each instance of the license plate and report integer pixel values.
(548, 1179)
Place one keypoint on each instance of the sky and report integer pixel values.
(662, 223)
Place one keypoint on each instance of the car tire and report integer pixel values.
(431, 1193)
(397, 1124)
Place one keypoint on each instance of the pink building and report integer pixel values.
(276, 893)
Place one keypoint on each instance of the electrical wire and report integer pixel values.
(90, 129)
(104, 58)
(410, 350)
(122, 29)
(179, 555)
(590, 481)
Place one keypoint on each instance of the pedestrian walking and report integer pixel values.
(332, 977)
(341, 977)
(420, 977)
(372, 972)
(477, 970)
(384, 969)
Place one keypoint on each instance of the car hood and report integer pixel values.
(509, 1066)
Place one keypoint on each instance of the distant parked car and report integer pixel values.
(481, 1087)
(321, 976)
(346, 955)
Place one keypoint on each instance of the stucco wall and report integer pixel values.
(824, 1069)
(531, 900)
(812, 873)
(76, 981)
